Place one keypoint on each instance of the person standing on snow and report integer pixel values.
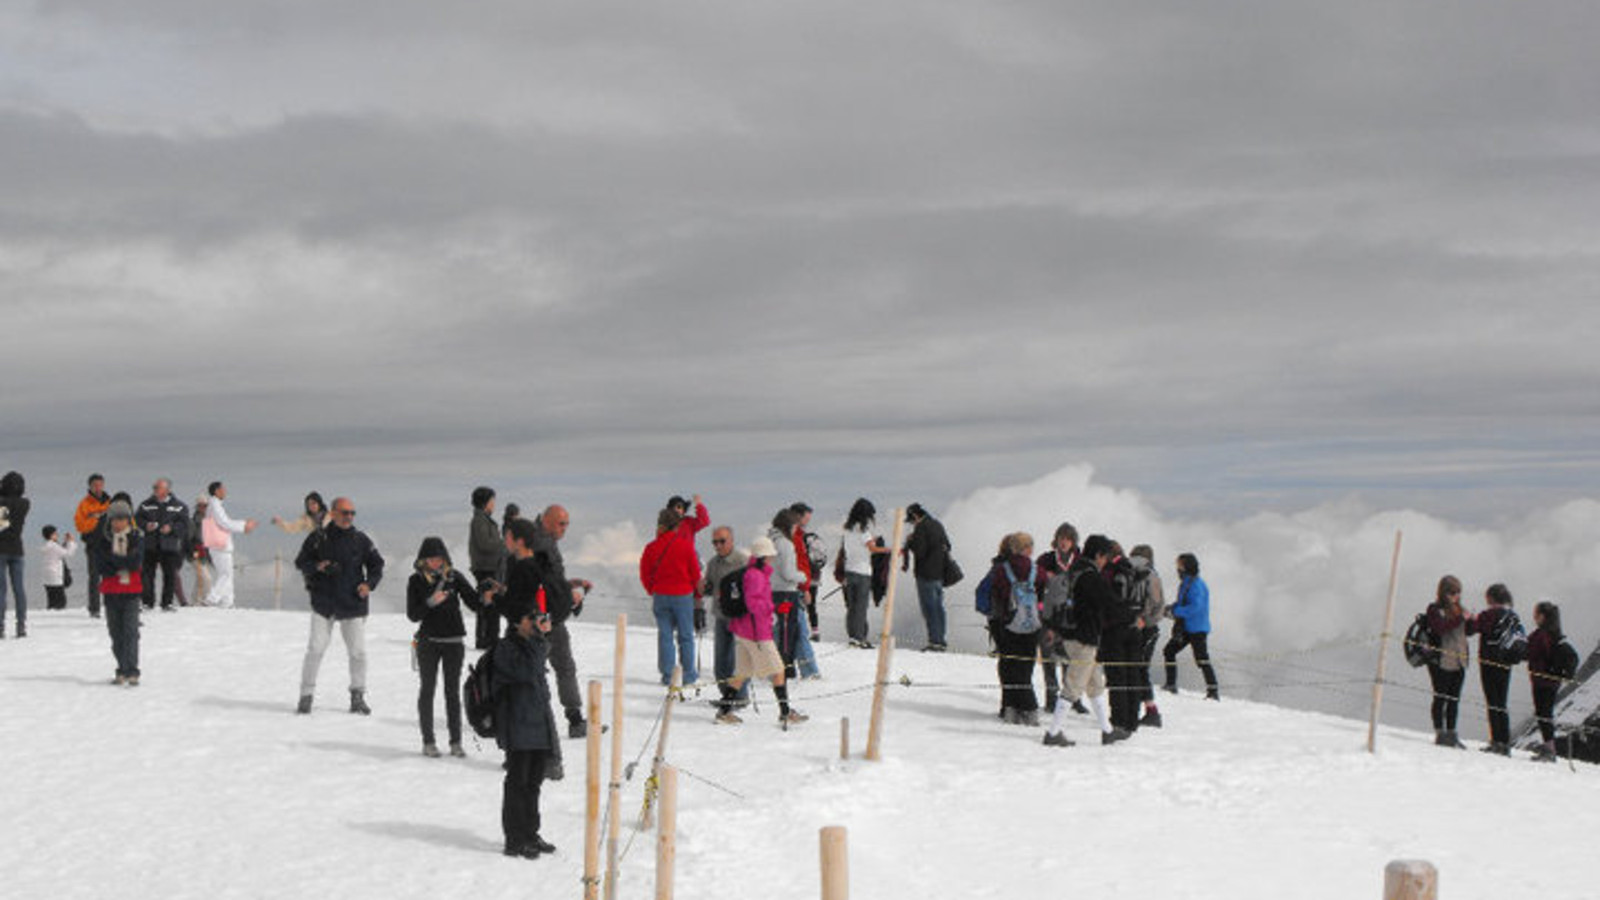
(1053, 567)
(931, 548)
(163, 519)
(756, 656)
(1448, 621)
(1013, 568)
(788, 581)
(55, 553)
(859, 546)
(217, 530)
(1092, 595)
(725, 560)
(1142, 558)
(669, 570)
(486, 557)
(1192, 628)
(87, 521)
(13, 556)
(433, 600)
(120, 559)
(524, 726)
(342, 567)
(1545, 647)
(565, 598)
(1495, 664)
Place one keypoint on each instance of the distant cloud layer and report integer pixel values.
(1241, 255)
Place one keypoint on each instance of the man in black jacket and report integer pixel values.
(931, 547)
(341, 567)
(1092, 597)
(564, 598)
(163, 519)
(524, 727)
(1122, 642)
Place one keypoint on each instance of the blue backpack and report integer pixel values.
(983, 596)
(1024, 601)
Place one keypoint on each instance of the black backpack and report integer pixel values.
(1564, 661)
(477, 694)
(730, 595)
(1508, 640)
(1421, 644)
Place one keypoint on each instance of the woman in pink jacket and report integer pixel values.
(669, 569)
(754, 652)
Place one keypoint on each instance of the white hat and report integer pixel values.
(763, 547)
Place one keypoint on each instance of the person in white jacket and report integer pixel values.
(55, 553)
(217, 532)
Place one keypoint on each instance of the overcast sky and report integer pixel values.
(1235, 255)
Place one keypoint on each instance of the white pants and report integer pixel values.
(221, 593)
(354, 633)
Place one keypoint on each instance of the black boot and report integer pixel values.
(358, 703)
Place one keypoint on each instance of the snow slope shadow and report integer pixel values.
(371, 751)
(266, 706)
(433, 835)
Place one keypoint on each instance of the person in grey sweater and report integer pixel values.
(726, 560)
(787, 582)
(486, 559)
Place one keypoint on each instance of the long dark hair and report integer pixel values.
(1449, 586)
(1498, 594)
(785, 521)
(1188, 564)
(862, 512)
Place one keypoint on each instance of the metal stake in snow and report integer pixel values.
(614, 795)
(1383, 650)
(885, 645)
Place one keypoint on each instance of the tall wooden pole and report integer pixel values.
(885, 644)
(667, 836)
(835, 863)
(614, 793)
(277, 581)
(648, 819)
(1410, 879)
(591, 821)
(1383, 649)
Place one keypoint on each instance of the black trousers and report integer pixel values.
(431, 655)
(1446, 696)
(1148, 638)
(1015, 665)
(168, 563)
(519, 801)
(1121, 651)
(1179, 640)
(1496, 681)
(786, 629)
(857, 597)
(1544, 707)
(55, 597)
(122, 623)
(487, 628)
(92, 575)
(566, 669)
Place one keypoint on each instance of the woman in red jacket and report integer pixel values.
(669, 569)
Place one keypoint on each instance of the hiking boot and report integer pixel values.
(816, 637)
(1079, 708)
(22, 630)
(793, 717)
(1451, 739)
(1151, 719)
(1545, 753)
(577, 728)
(455, 749)
(430, 750)
(1497, 748)
(726, 717)
(304, 706)
(1030, 717)
(1213, 695)
(1059, 739)
(120, 680)
(526, 852)
(1011, 716)
(133, 681)
(358, 703)
(542, 845)
(1113, 736)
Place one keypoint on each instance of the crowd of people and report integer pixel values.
(1088, 617)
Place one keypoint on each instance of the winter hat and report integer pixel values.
(119, 509)
(762, 547)
(431, 547)
(677, 502)
(915, 512)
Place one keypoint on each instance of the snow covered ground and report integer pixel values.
(202, 783)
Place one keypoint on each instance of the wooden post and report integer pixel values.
(835, 863)
(277, 581)
(844, 737)
(667, 836)
(1383, 649)
(591, 821)
(885, 644)
(648, 819)
(614, 794)
(1410, 879)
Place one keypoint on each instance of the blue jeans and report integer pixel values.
(675, 614)
(805, 659)
(930, 595)
(122, 621)
(11, 566)
(722, 657)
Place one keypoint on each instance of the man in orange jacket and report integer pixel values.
(91, 509)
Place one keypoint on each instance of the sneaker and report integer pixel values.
(1113, 736)
(1151, 719)
(133, 681)
(1451, 739)
(727, 718)
(304, 706)
(816, 637)
(1213, 695)
(1544, 753)
(358, 703)
(455, 750)
(430, 750)
(1079, 708)
(794, 717)
(1059, 739)
(120, 680)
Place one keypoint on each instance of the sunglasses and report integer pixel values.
(721, 541)
(344, 512)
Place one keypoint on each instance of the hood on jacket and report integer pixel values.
(431, 547)
(12, 485)
(119, 509)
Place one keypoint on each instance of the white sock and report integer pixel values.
(1059, 715)
(1099, 706)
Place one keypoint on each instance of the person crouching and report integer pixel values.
(525, 728)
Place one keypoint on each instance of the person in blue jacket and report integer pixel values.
(1193, 626)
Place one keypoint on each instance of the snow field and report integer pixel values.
(202, 783)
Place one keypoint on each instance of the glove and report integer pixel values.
(785, 607)
(699, 621)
